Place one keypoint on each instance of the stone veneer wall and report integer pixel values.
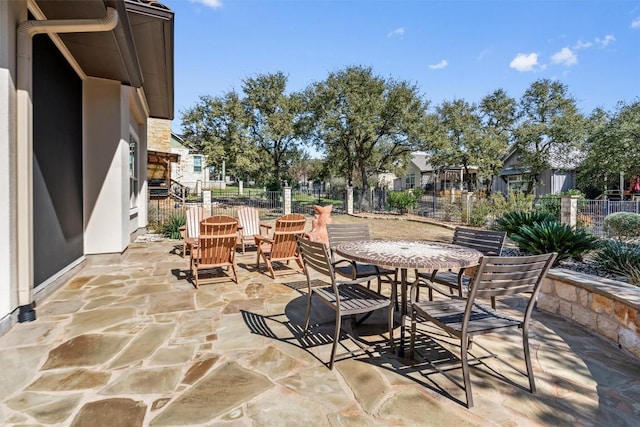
(159, 135)
(607, 307)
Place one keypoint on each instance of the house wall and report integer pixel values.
(105, 155)
(183, 171)
(159, 136)
(401, 183)
(11, 13)
(57, 162)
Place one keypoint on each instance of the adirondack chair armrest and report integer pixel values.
(260, 240)
(265, 226)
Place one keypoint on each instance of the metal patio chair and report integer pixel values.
(466, 318)
(345, 298)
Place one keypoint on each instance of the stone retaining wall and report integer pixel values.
(607, 307)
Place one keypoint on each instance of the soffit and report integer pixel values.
(138, 52)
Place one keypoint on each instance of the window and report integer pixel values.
(410, 181)
(133, 170)
(516, 183)
(197, 164)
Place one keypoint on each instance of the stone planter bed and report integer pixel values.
(608, 308)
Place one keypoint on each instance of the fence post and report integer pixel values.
(286, 195)
(206, 201)
(466, 206)
(349, 200)
(569, 210)
(240, 187)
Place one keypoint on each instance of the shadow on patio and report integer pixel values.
(134, 343)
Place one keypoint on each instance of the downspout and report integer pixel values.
(24, 151)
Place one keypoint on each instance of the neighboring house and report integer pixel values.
(421, 174)
(555, 180)
(160, 159)
(78, 82)
(192, 169)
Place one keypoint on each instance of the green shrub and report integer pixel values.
(515, 201)
(512, 221)
(622, 225)
(480, 212)
(171, 227)
(620, 258)
(550, 236)
(403, 200)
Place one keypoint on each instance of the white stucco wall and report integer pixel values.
(105, 155)
(11, 13)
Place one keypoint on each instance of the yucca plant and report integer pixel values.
(550, 236)
(512, 221)
(171, 227)
(620, 258)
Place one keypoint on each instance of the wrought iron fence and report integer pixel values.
(448, 207)
(591, 213)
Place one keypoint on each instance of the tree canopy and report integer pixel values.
(612, 147)
(550, 128)
(365, 124)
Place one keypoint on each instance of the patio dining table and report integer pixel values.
(404, 255)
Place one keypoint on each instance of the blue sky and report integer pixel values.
(450, 49)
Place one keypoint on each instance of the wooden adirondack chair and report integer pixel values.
(249, 219)
(282, 245)
(191, 230)
(216, 246)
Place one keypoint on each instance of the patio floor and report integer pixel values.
(135, 344)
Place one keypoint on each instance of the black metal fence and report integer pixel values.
(444, 207)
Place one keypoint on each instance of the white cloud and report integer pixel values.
(440, 65)
(582, 45)
(524, 62)
(604, 42)
(210, 3)
(397, 32)
(635, 23)
(565, 57)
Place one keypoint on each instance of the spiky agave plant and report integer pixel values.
(545, 237)
(620, 258)
(512, 221)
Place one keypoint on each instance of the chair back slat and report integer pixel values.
(284, 236)
(218, 235)
(315, 256)
(488, 242)
(249, 219)
(345, 233)
(500, 276)
(193, 217)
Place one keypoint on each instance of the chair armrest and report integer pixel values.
(358, 281)
(263, 239)
(267, 226)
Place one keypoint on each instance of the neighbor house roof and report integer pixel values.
(138, 52)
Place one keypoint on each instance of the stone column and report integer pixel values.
(240, 187)
(350, 200)
(569, 210)
(206, 202)
(286, 194)
(466, 206)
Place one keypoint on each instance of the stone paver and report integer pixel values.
(136, 344)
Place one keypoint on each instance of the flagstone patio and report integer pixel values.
(134, 344)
